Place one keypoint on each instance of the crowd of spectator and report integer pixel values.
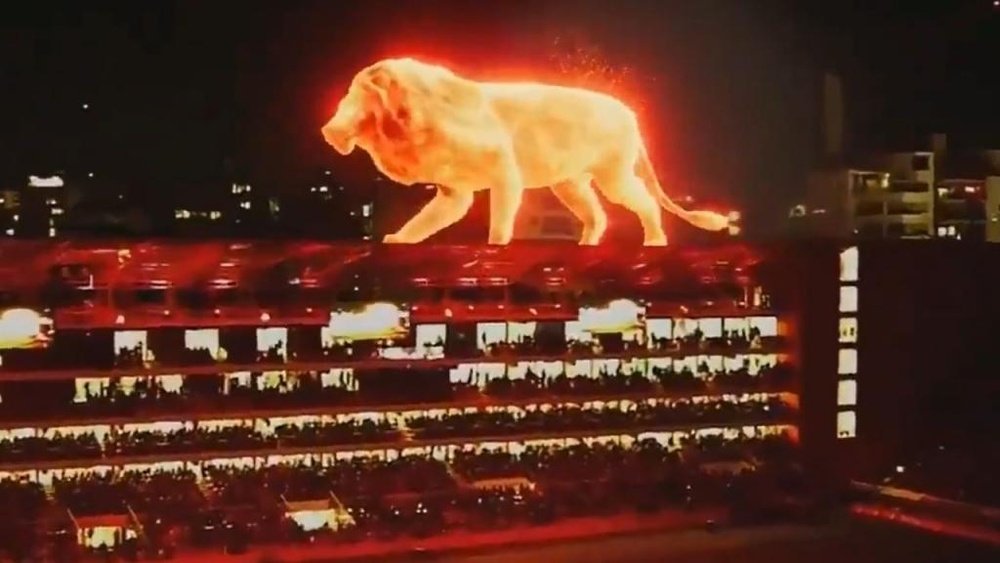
(209, 505)
(412, 494)
(610, 418)
(190, 440)
(203, 394)
(740, 339)
(78, 351)
(546, 420)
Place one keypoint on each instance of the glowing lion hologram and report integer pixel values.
(421, 123)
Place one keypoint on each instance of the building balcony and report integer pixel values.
(898, 197)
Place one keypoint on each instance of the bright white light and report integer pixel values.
(20, 325)
(90, 174)
(50, 182)
(85, 106)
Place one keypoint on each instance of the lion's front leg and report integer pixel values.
(447, 207)
(505, 200)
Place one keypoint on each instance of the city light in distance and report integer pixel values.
(49, 182)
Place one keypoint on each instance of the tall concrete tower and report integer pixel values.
(833, 117)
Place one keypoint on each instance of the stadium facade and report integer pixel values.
(221, 358)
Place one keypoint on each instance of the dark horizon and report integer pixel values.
(183, 94)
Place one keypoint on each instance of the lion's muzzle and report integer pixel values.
(341, 138)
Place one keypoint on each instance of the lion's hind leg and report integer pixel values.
(620, 185)
(580, 198)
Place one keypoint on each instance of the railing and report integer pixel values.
(139, 528)
(121, 462)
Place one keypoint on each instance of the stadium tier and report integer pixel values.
(162, 396)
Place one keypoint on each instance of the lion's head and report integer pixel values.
(397, 102)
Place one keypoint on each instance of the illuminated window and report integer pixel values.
(10, 232)
(848, 299)
(849, 264)
(767, 326)
(847, 393)
(658, 329)
(182, 214)
(52, 232)
(57, 211)
(214, 215)
(847, 361)
(431, 335)
(366, 210)
(710, 327)
(848, 330)
(847, 424)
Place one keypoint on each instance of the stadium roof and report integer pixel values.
(158, 264)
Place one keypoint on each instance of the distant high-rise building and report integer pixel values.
(916, 194)
(833, 117)
(324, 209)
(34, 210)
(236, 210)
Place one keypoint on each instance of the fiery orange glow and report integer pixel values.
(376, 320)
(618, 316)
(423, 124)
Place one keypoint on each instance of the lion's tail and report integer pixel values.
(707, 220)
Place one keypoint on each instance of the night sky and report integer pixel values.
(180, 94)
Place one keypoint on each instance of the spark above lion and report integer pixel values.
(423, 124)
